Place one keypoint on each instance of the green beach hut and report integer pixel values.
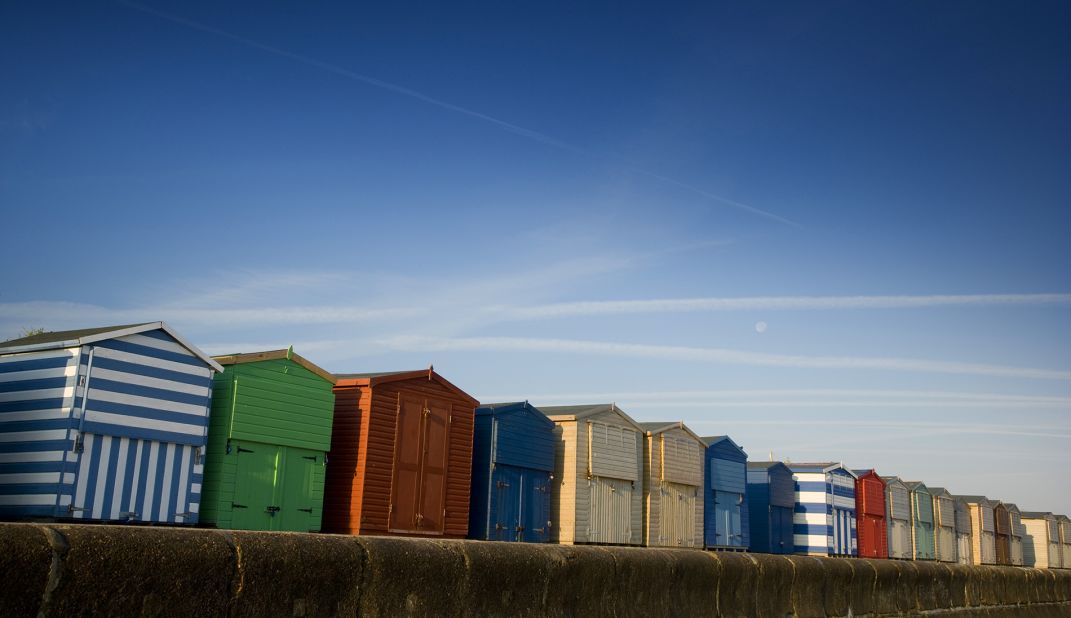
(268, 435)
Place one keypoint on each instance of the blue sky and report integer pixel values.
(569, 204)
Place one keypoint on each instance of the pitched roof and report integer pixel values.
(817, 466)
(256, 357)
(511, 408)
(974, 499)
(381, 377)
(85, 336)
(503, 404)
(913, 485)
(1036, 515)
(64, 335)
(374, 374)
(581, 412)
(655, 427)
(712, 440)
(766, 465)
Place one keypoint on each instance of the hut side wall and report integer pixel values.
(564, 501)
(37, 392)
(1002, 529)
(1036, 552)
(812, 521)
(964, 535)
(1065, 542)
(354, 468)
(1017, 533)
(482, 463)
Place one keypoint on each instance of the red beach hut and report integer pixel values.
(872, 531)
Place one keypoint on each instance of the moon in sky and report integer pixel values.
(760, 327)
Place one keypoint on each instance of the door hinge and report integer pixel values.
(308, 510)
(235, 505)
(244, 450)
(309, 457)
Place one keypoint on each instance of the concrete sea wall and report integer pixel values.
(68, 570)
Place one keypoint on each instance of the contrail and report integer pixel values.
(774, 303)
(712, 355)
(531, 134)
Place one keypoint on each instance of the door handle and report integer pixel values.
(272, 509)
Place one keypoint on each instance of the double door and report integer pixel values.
(520, 504)
(843, 526)
(276, 487)
(781, 537)
(421, 457)
(610, 510)
(728, 530)
(871, 533)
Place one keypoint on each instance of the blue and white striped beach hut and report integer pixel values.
(103, 424)
(824, 521)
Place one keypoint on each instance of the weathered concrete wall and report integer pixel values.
(62, 570)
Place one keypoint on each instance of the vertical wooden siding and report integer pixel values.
(564, 487)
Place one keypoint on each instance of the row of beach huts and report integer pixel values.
(135, 424)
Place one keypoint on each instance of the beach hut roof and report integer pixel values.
(85, 336)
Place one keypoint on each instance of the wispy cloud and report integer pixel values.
(60, 314)
(509, 127)
(715, 355)
(798, 398)
(772, 303)
(922, 429)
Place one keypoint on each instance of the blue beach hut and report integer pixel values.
(725, 504)
(512, 461)
(771, 498)
(104, 424)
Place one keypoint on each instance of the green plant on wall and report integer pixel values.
(30, 332)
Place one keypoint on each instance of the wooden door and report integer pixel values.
(430, 516)
(408, 454)
(295, 494)
(254, 504)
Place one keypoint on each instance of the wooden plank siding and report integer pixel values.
(672, 502)
(281, 402)
(596, 473)
(363, 453)
(563, 496)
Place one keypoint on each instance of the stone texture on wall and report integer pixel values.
(69, 570)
